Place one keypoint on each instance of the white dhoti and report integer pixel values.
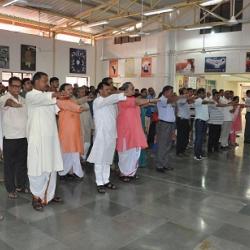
(71, 164)
(102, 173)
(43, 186)
(86, 150)
(128, 161)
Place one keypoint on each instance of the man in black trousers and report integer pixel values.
(182, 122)
(14, 139)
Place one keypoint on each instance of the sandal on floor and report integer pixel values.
(57, 199)
(23, 190)
(135, 177)
(125, 179)
(1, 217)
(37, 204)
(101, 189)
(12, 196)
(110, 186)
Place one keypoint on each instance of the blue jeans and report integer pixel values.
(200, 133)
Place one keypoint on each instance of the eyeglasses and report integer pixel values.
(15, 86)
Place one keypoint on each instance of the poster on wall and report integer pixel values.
(4, 57)
(215, 64)
(146, 67)
(129, 67)
(248, 62)
(28, 57)
(77, 61)
(113, 68)
(185, 66)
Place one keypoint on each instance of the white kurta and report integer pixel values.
(105, 113)
(44, 153)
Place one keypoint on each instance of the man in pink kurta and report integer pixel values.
(70, 134)
(131, 138)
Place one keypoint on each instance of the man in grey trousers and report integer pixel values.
(165, 128)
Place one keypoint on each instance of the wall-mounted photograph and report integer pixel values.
(4, 57)
(215, 64)
(78, 61)
(28, 57)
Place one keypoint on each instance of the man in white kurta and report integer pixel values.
(44, 154)
(102, 152)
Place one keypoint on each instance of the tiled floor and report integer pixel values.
(201, 206)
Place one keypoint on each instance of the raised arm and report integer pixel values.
(112, 99)
(69, 106)
(40, 99)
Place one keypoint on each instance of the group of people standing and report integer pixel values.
(49, 129)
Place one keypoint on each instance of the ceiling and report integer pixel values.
(73, 17)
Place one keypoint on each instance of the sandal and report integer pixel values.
(12, 196)
(101, 189)
(135, 177)
(1, 217)
(125, 179)
(57, 199)
(110, 186)
(23, 190)
(37, 204)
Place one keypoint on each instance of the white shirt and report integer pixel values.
(105, 114)
(183, 108)
(228, 116)
(166, 111)
(201, 110)
(14, 120)
(247, 102)
(44, 151)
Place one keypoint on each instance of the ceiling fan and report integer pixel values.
(233, 20)
(26, 3)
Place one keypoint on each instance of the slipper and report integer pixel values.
(57, 199)
(125, 179)
(101, 189)
(37, 204)
(23, 190)
(12, 196)
(110, 186)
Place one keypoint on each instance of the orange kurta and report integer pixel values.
(69, 124)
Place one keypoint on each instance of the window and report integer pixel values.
(81, 81)
(224, 11)
(7, 75)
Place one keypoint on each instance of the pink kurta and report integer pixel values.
(70, 126)
(129, 128)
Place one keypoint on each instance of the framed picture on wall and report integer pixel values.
(146, 67)
(78, 60)
(248, 62)
(28, 57)
(4, 57)
(185, 66)
(215, 64)
(113, 68)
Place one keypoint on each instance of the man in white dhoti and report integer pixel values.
(44, 153)
(102, 152)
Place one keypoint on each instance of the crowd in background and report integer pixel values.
(104, 125)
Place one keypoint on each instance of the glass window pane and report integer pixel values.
(6, 76)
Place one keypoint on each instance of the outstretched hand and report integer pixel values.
(12, 104)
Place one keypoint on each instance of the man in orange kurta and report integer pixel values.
(70, 134)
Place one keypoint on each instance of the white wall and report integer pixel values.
(233, 45)
(44, 61)
(153, 44)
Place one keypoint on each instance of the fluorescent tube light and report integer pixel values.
(98, 23)
(210, 2)
(134, 35)
(199, 28)
(9, 3)
(157, 12)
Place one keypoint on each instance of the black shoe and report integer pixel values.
(169, 169)
(160, 170)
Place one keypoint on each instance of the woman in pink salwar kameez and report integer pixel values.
(130, 135)
(236, 126)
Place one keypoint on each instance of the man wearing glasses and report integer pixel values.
(14, 119)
